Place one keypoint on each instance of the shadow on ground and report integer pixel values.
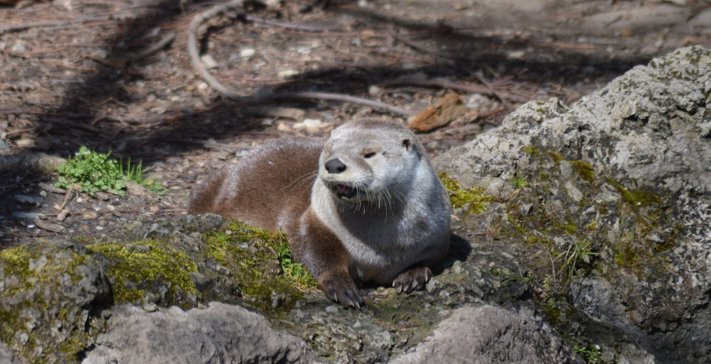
(461, 55)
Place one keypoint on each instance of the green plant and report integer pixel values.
(291, 268)
(577, 254)
(589, 352)
(519, 182)
(91, 172)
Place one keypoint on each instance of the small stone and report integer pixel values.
(24, 338)
(62, 215)
(374, 90)
(38, 264)
(25, 143)
(150, 307)
(18, 47)
(332, 309)
(247, 53)
(208, 61)
(154, 208)
(89, 215)
(311, 125)
(285, 74)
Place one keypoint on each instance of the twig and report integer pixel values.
(67, 198)
(150, 50)
(445, 83)
(200, 69)
(488, 85)
(51, 24)
(302, 27)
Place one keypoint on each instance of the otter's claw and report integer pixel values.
(413, 279)
(342, 290)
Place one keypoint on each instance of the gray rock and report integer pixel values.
(489, 334)
(624, 171)
(8, 357)
(219, 333)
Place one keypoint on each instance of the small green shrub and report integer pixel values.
(91, 172)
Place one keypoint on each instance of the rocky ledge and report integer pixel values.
(581, 235)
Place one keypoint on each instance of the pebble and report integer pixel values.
(55, 228)
(62, 215)
(332, 309)
(89, 215)
(18, 47)
(150, 307)
(287, 73)
(311, 125)
(247, 53)
(25, 143)
(209, 61)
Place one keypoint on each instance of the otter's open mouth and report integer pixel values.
(344, 191)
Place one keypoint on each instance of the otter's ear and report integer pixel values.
(407, 143)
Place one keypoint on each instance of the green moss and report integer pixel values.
(138, 265)
(474, 200)
(40, 278)
(555, 156)
(531, 150)
(262, 266)
(636, 197)
(519, 182)
(584, 170)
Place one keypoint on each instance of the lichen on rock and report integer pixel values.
(618, 194)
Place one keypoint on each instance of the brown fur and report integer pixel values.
(272, 192)
(389, 235)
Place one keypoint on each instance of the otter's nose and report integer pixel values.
(335, 166)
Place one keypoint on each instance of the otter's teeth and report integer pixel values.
(343, 191)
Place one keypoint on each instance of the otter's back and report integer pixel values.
(269, 188)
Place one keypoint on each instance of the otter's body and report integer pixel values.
(364, 205)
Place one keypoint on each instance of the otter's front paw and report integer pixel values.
(413, 279)
(341, 289)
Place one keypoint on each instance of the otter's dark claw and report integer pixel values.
(342, 290)
(413, 279)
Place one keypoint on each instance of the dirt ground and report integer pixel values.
(116, 75)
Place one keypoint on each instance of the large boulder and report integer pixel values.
(606, 206)
(219, 333)
(489, 334)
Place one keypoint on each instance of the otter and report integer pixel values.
(364, 206)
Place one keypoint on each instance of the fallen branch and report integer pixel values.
(51, 24)
(202, 71)
(459, 86)
(39, 162)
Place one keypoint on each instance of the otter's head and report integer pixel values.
(369, 160)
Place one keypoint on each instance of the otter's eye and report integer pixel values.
(368, 154)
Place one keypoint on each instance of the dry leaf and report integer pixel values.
(447, 109)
